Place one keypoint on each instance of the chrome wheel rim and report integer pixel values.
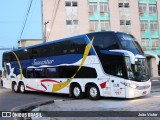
(93, 92)
(22, 88)
(76, 91)
(15, 87)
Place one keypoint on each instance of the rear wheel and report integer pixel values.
(15, 87)
(22, 88)
(93, 92)
(76, 91)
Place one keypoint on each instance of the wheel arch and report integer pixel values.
(74, 83)
(92, 83)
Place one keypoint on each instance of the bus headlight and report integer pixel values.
(133, 86)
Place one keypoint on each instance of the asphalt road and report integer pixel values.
(10, 100)
(155, 86)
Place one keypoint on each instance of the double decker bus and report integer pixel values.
(109, 64)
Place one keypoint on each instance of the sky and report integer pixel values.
(12, 18)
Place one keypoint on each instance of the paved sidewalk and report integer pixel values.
(150, 102)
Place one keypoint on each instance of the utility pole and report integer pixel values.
(45, 30)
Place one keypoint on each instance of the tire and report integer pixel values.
(1, 83)
(22, 88)
(93, 92)
(76, 91)
(15, 87)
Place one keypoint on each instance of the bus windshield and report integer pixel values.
(138, 71)
(128, 42)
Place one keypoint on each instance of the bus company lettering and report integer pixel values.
(42, 62)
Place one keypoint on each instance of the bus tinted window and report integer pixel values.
(129, 43)
(104, 40)
(72, 46)
(113, 65)
(60, 72)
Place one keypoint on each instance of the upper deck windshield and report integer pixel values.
(128, 42)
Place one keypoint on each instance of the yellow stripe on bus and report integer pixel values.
(18, 64)
(59, 86)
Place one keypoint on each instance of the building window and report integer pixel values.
(128, 22)
(152, 9)
(94, 25)
(144, 25)
(103, 7)
(142, 8)
(153, 25)
(155, 42)
(74, 3)
(93, 7)
(72, 22)
(125, 5)
(125, 22)
(67, 3)
(122, 22)
(120, 4)
(105, 25)
(75, 22)
(145, 42)
(69, 22)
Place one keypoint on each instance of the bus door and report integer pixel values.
(116, 80)
(117, 89)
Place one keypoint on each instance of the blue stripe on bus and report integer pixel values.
(49, 61)
(110, 52)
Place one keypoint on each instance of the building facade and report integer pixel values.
(28, 42)
(73, 17)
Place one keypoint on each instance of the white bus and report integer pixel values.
(109, 64)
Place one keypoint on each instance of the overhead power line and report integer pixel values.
(6, 48)
(26, 18)
(31, 14)
(53, 18)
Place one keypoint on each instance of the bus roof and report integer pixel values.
(63, 39)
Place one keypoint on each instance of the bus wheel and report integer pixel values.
(1, 83)
(93, 92)
(22, 88)
(15, 87)
(76, 91)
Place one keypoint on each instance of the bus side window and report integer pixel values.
(114, 69)
(29, 73)
(52, 73)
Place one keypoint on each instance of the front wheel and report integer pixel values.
(1, 83)
(93, 92)
(22, 88)
(76, 91)
(15, 87)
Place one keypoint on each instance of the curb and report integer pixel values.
(155, 78)
(29, 107)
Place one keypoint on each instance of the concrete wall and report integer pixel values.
(25, 43)
(57, 19)
(114, 15)
(154, 68)
(135, 21)
(158, 8)
(83, 16)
